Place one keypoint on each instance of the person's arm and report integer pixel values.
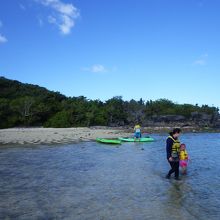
(169, 148)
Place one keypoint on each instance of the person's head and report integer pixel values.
(182, 147)
(176, 132)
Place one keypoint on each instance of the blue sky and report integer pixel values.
(103, 48)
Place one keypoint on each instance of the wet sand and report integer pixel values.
(56, 135)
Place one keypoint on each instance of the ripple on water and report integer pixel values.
(95, 181)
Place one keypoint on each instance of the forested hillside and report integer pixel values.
(30, 105)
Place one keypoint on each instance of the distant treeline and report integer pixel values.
(30, 105)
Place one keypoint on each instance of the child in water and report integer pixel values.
(183, 158)
(137, 132)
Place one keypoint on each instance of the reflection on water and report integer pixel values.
(95, 181)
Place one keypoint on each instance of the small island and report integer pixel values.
(31, 114)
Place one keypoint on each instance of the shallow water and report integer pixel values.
(96, 181)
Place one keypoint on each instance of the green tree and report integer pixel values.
(59, 120)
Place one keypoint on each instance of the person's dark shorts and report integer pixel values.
(137, 134)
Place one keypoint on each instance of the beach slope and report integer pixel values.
(56, 135)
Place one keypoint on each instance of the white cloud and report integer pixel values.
(202, 60)
(52, 19)
(3, 39)
(40, 21)
(63, 14)
(22, 7)
(96, 68)
(66, 25)
(204, 55)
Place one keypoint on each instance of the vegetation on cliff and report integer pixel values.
(30, 105)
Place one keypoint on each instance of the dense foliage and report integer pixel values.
(30, 105)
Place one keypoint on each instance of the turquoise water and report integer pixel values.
(96, 181)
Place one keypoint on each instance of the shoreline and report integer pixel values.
(36, 136)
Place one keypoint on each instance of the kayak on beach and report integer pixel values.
(108, 141)
(144, 139)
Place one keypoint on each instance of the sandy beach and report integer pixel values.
(56, 135)
(23, 136)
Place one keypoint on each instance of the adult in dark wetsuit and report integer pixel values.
(172, 148)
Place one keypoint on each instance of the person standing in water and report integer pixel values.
(137, 132)
(173, 148)
(184, 158)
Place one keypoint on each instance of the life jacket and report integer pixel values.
(183, 155)
(175, 148)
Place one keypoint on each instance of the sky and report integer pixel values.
(136, 49)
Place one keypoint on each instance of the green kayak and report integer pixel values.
(144, 139)
(108, 141)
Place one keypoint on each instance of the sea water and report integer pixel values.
(89, 180)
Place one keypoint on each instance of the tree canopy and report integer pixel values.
(31, 105)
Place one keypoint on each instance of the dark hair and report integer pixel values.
(175, 130)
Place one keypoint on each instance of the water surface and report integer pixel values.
(96, 181)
